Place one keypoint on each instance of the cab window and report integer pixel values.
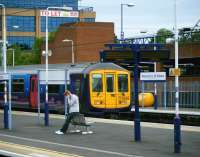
(97, 85)
(110, 82)
(122, 83)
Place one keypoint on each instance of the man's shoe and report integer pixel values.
(59, 132)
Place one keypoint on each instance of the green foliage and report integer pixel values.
(52, 35)
(189, 36)
(37, 44)
(24, 56)
(162, 34)
(116, 41)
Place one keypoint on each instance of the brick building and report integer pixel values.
(88, 40)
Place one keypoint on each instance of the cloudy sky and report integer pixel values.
(146, 15)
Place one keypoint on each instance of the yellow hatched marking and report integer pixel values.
(32, 151)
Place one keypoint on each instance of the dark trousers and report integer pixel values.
(70, 116)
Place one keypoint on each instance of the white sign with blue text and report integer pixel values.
(153, 76)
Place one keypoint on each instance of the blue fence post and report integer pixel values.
(177, 134)
(137, 113)
(155, 101)
(6, 107)
(46, 114)
(46, 110)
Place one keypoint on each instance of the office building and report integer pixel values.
(26, 20)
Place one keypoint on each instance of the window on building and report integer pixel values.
(88, 20)
(39, 3)
(26, 42)
(55, 22)
(20, 23)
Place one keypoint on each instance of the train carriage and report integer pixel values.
(101, 87)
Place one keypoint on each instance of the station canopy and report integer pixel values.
(124, 54)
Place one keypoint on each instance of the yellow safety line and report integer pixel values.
(32, 151)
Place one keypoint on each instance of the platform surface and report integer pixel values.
(111, 138)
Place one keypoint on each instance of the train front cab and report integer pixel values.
(109, 90)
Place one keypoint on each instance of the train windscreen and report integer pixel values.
(97, 85)
(122, 83)
(110, 82)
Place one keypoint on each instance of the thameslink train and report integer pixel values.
(101, 87)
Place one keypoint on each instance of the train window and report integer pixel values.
(53, 88)
(110, 82)
(1, 87)
(122, 83)
(18, 85)
(77, 83)
(97, 85)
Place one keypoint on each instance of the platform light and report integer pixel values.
(49, 53)
(128, 5)
(46, 63)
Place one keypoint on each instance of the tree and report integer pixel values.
(37, 44)
(162, 34)
(189, 35)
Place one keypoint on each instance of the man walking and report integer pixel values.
(73, 109)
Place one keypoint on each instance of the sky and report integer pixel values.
(146, 15)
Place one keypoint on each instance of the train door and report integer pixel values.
(110, 90)
(33, 91)
(75, 84)
(97, 89)
(123, 89)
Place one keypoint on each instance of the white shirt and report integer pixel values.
(73, 103)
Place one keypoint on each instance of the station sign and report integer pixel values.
(153, 76)
(174, 72)
(55, 76)
(59, 13)
(4, 77)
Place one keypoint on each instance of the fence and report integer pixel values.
(189, 93)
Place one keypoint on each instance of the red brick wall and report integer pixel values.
(89, 39)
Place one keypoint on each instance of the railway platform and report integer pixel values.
(111, 138)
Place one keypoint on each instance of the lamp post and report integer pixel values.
(177, 120)
(4, 36)
(68, 40)
(128, 5)
(46, 113)
(6, 107)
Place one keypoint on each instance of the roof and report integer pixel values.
(105, 66)
(81, 67)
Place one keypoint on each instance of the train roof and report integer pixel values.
(101, 66)
(73, 68)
